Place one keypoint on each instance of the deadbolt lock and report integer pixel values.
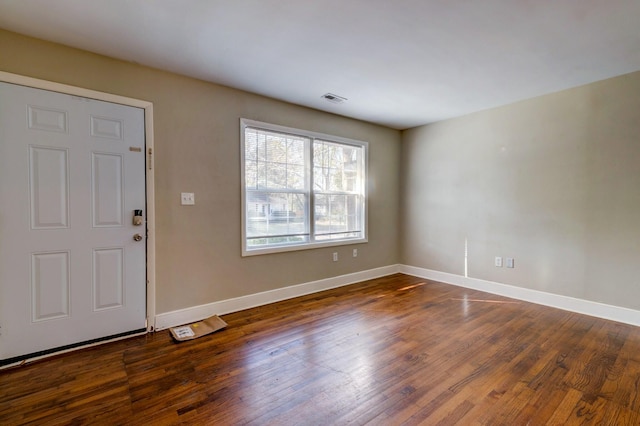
(137, 218)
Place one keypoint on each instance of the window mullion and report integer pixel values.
(278, 191)
(311, 197)
(337, 193)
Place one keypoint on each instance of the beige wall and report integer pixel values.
(197, 150)
(553, 182)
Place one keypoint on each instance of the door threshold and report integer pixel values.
(37, 356)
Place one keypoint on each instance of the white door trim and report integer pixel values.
(150, 169)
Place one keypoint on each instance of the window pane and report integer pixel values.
(251, 175)
(336, 167)
(337, 216)
(296, 176)
(278, 160)
(254, 243)
(276, 215)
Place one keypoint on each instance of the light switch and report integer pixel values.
(187, 198)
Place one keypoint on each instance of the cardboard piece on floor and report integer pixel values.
(198, 329)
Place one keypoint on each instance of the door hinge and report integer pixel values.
(150, 159)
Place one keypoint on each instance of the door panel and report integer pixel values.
(107, 190)
(72, 171)
(47, 119)
(108, 280)
(49, 285)
(49, 187)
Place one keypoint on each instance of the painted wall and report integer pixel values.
(197, 149)
(553, 182)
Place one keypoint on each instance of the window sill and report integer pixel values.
(299, 247)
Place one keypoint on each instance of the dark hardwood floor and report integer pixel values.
(395, 350)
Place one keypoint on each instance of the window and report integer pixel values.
(286, 175)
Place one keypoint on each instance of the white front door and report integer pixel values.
(72, 173)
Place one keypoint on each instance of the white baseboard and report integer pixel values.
(586, 307)
(197, 313)
(595, 309)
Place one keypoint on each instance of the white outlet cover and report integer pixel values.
(498, 262)
(187, 198)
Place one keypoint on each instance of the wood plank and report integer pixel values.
(395, 350)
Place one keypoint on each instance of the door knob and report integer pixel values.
(137, 237)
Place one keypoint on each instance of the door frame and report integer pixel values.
(149, 169)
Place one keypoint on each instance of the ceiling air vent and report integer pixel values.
(334, 98)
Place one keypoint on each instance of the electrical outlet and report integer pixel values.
(498, 262)
(355, 252)
(335, 256)
(510, 263)
(187, 198)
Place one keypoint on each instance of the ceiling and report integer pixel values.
(399, 63)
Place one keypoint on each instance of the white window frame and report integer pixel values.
(246, 251)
